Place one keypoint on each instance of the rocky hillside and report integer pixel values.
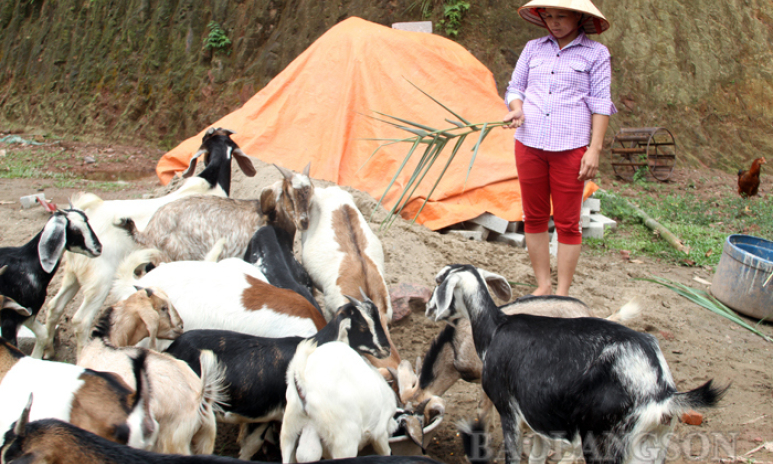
(160, 70)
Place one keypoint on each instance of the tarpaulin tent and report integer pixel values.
(319, 110)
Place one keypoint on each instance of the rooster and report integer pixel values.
(749, 181)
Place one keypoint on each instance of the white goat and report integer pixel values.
(335, 402)
(343, 257)
(183, 404)
(230, 295)
(96, 276)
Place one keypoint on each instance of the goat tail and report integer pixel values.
(630, 310)
(213, 386)
(125, 278)
(217, 249)
(84, 201)
(296, 371)
(705, 396)
(472, 431)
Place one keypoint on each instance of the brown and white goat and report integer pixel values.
(55, 442)
(229, 295)
(187, 229)
(183, 404)
(99, 402)
(344, 257)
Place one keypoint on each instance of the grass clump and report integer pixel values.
(701, 223)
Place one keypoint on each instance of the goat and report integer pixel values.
(30, 268)
(230, 295)
(335, 402)
(256, 366)
(343, 255)
(96, 276)
(96, 401)
(51, 441)
(585, 379)
(451, 355)
(187, 229)
(183, 403)
(271, 250)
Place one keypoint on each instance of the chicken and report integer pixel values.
(749, 181)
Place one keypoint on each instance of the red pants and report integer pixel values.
(545, 174)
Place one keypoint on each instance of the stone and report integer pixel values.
(407, 298)
(468, 234)
(414, 26)
(692, 418)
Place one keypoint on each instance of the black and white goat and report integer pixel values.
(256, 366)
(30, 268)
(95, 276)
(52, 441)
(271, 251)
(582, 380)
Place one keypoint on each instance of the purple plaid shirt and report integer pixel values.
(560, 89)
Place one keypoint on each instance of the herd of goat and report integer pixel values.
(210, 318)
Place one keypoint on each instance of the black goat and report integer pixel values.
(582, 380)
(256, 367)
(217, 145)
(30, 268)
(271, 250)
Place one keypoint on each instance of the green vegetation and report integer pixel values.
(701, 221)
(453, 12)
(28, 164)
(216, 40)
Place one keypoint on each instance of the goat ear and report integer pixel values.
(498, 284)
(21, 424)
(268, 202)
(52, 242)
(192, 163)
(442, 298)
(9, 303)
(244, 162)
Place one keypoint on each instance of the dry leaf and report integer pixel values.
(637, 261)
(701, 280)
(709, 253)
(625, 254)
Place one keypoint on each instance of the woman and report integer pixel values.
(559, 101)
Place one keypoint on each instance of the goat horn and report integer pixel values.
(417, 369)
(285, 172)
(352, 300)
(364, 296)
(307, 169)
(21, 424)
(2, 269)
(420, 407)
(393, 373)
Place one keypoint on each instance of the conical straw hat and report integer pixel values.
(596, 24)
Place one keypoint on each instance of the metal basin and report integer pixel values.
(745, 265)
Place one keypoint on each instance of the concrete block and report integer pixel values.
(515, 226)
(484, 231)
(513, 239)
(492, 222)
(551, 224)
(28, 201)
(585, 217)
(414, 26)
(608, 223)
(594, 230)
(468, 234)
(594, 204)
(553, 247)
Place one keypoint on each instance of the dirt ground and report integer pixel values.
(697, 344)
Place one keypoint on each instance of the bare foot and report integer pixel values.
(542, 291)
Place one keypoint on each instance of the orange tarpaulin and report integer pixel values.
(319, 110)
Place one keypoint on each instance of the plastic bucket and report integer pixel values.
(745, 265)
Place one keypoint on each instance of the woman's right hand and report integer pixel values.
(515, 119)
